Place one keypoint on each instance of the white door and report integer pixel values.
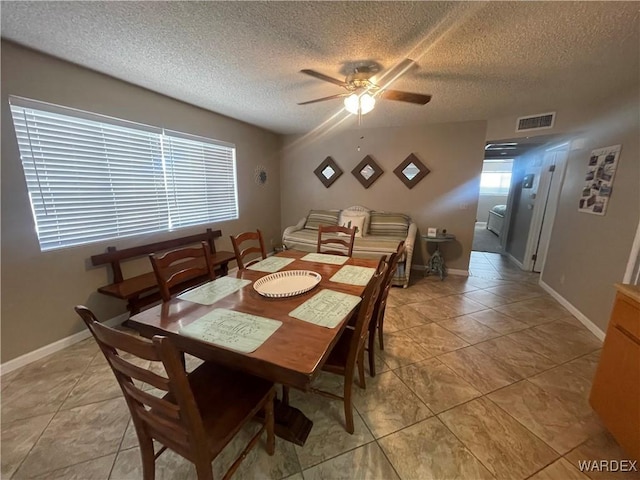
(551, 180)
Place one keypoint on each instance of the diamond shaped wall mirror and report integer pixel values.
(367, 171)
(328, 172)
(411, 171)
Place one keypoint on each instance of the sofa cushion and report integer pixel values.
(394, 224)
(321, 217)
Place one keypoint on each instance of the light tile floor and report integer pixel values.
(481, 377)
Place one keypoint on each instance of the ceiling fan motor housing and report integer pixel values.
(360, 78)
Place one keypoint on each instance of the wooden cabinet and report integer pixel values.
(615, 394)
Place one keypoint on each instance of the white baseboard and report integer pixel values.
(514, 260)
(455, 271)
(582, 318)
(54, 347)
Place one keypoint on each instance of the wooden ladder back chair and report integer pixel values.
(349, 350)
(331, 242)
(189, 265)
(256, 246)
(200, 413)
(377, 321)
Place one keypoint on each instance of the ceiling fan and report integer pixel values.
(363, 89)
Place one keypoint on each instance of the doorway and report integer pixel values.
(520, 217)
(495, 183)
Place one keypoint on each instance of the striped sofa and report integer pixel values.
(383, 233)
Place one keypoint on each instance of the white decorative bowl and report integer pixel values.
(287, 283)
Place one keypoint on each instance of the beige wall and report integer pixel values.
(39, 290)
(589, 253)
(446, 198)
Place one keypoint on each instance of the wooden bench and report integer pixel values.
(142, 290)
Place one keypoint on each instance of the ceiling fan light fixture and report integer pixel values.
(362, 104)
(352, 103)
(367, 102)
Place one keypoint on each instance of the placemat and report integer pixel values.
(353, 275)
(326, 258)
(326, 308)
(211, 292)
(230, 329)
(271, 264)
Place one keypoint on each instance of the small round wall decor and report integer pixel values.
(260, 174)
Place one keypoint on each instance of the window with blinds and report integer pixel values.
(495, 179)
(93, 178)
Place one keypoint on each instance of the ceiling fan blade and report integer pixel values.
(331, 97)
(405, 96)
(322, 76)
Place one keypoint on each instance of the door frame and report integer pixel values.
(545, 205)
(506, 224)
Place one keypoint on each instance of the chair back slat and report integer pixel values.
(255, 247)
(178, 266)
(329, 240)
(130, 370)
(106, 336)
(161, 406)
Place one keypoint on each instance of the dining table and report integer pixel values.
(294, 353)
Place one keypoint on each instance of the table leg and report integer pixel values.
(290, 423)
(132, 306)
(428, 268)
(443, 269)
(436, 264)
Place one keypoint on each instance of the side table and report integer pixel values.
(436, 262)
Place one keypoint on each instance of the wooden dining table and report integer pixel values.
(293, 355)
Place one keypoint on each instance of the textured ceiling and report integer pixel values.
(242, 59)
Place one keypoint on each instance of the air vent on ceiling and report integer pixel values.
(535, 122)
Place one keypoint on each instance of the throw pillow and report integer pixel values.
(353, 221)
(321, 217)
(349, 214)
(389, 224)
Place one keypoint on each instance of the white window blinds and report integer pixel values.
(93, 178)
(496, 177)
